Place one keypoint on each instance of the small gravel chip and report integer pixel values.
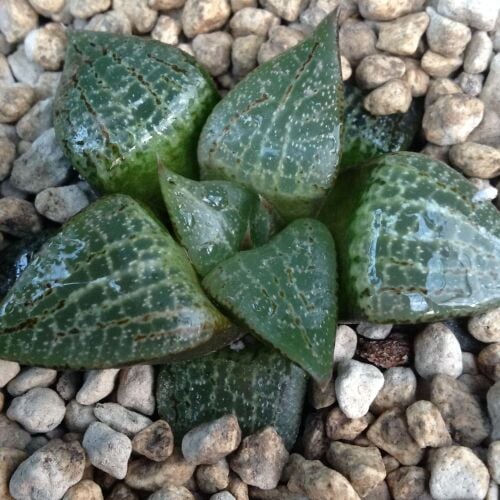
(46, 46)
(39, 410)
(339, 427)
(451, 119)
(426, 425)
(281, 38)
(107, 449)
(322, 396)
(136, 389)
(437, 351)
(408, 483)
(12, 435)
(356, 40)
(98, 384)
(140, 15)
(436, 65)
(252, 21)
(84, 490)
(113, 21)
(8, 370)
(399, 390)
(390, 433)
(478, 53)
(167, 30)
(314, 440)
(489, 361)
(377, 69)
(212, 478)
(362, 465)
(172, 493)
(78, 417)
(155, 442)
(15, 100)
(260, 459)
(120, 419)
(36, 121)
(49, 472)
(346, 341)
(244, 54)
(203, 16)
(476, 160)
(392, 97)
(209, 442)
(213, 51)
(416, 77)
(357, 384)
(30, 378)
(59, 204)
(456, 472)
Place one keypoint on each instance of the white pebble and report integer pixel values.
(98, 384)
(136, 389)
(30, 378)
(120, 419)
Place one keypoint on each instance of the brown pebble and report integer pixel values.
(155, 442)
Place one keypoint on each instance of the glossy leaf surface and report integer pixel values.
(367, 136)
(123, 104)
(413, 242)
(111, 288)
(285, 291)
(278, 131)
(257, 384)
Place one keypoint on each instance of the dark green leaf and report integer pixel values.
(413, 242)
(278, 131)
(285, 291)
(257, 384)
(111, 288)
(123, 104)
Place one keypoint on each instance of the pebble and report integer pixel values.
(237, 5)
(440, 87)
(486, 326)
(464, 417)
(98, 384)
(436, 65)
(385, 10)
(5, 73)
(470, 84)
(437, 350)
(8, 370)
(78, 417)
(17, 18)
(209, 442)
(489, 361)
(356, 40)
(18, 217)
(479, 14)
(244, 54)
(485, 191)
(371, 330)
(390, 433)
(322, 396)
(68, 384)
(478, 53)
(494, 460)
(139, 14)
(445, 36)
(402, 36)
(12, 435)
(451, 118)
(357, 384)
(7, 156)
(456, 472)
(203, 16)
(49, 472)
(113, 21)
(144, 474)
(260, 459)
(30, 378)
(167, 30)
(212, 478)
(426, 425)
(252, 21)
(24, 70)
(288, 10)
(46, 85)
(392, 97)
(39, 410)
(339, 427)
(493, 401)
(107, 449)
(213, 51)
(120, 419)
(166, 4)
(345, 69)
(361, 465)
(136, 389)
(42, 166)
(36, 121)
(7, 190)
(122, 492)
(314, 480)
(84, 10)
(408, 483)
(172, 493)
(222, 495)
(478, 160)
(59, 204)
(47, 8)
(84, 490)
(314, 439)
(399, 390)
(346, 342)
(15, 100)
(46, 46)
(281, 38)
(10, 459)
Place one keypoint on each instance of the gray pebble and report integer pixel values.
(98, 384)
(30, 378)
(120, 419)
(136, 389)
(78, 417)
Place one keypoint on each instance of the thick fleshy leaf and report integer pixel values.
(111, 288)
(285, 291)
(414, 244)
(367, 136)
(257, 384)
(210, 218)
(125, 102)
(278, 131)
